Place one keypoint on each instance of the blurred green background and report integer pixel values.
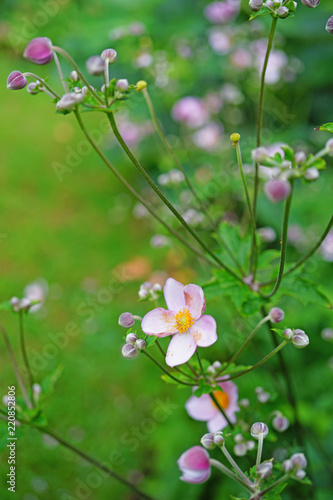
(80, 235)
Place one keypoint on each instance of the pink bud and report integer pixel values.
(311, 3)
(329, 26)
(264, 470)
(218, 438)
(277, 190)
(25, 304)
(280, 423)
(287, 465)
(126, 320)
(109, 55)
(300, 157)
(39, 51)
(33, 88)
(95, 65)
(16, 81)
(122, 84)
(300, 339)
(194, 465)
(287, 334)
(329, 145)
(67, 102)
(129, 351)
(207, 441)
(300, 474)
(131, 338)
(140, 344)
(259, 428)
(299, 461)
(276, 315)
(311, 174)
(255, 5)
(282, 11)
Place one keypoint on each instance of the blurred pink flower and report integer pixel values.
(204, 409)
(194, 465)
(183, 319)
(241, 58)
(327, 247)
(219, 40)
(191, 111)
(39, 50)
(222, 12)
(208, 137)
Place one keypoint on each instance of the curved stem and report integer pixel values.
(234, 465)
(93, 461)
(261, 362)
(159, 193)
(134, 193)
(23, 349)
(56, 60)
(228, 472)
(260, 109)
(54, 94)
(187, 179)
(16, 368)
(77, 69)
(308, 255)
(284, 242)
(249, 338)
(166, 371)
(254, 250)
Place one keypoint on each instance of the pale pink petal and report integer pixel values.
(194, 465)
(181, 349)
(201, 408)
(195, 300)
(174, 295)
(204, 331)
(217, 423)
(159, 322)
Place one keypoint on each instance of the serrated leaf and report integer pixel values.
(304, 290)
(327, 127)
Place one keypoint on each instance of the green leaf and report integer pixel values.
(6, 306)
(233, 369)
(278, 331)
(304, 290)
(48, 384)
(327, 127)
(288, 152)
(150, 340)
(203, 388)
(263, 12)
(239, 245)
(319, 164)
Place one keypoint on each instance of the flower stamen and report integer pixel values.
(183, 320)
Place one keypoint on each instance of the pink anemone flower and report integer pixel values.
(194, 465)
(204, 409)
(183, 319)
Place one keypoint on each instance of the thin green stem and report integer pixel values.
(249, 338)
(306, 256)
(200, 364)
(192, 369)
(77, 69)
(106, 82)
(259, 449)
(54, 94)
(56, 60)
(254, 250)
(260, 108)
(93, 461)
(175, 367)
(234, 465)
(261, 362)
(16, 368)
(164, 370)
(228, 472)
(23, 349)
(148, 179)
(187, 179)
(272, 486)
(135, 194)
(284, 242)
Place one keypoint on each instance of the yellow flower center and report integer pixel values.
(183, 320)
(222, 399)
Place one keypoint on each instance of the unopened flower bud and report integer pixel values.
(255, 5)
(244, 403)
(207, 441)
(141, 85)
(329, 26)
(250, 445)
(95, 65)
(218, 438)
(259, 428)
(329, 145)
(39, 50)
(277, 190)
(143, 294)
(280, 423)
(264, 470)
(270, 4)
(33, 88)
(15, 303)
(36, 392)
(311, 174)
(16, 81)
(217, 365)
(67, 102)
(276, 314)
(299, 461)
(259, 154)
(25, 304)
(129, 351)
(327, 334)
(287, 465)
(300, 474)
(300, 157)
(126, 320)
(140, 344)
(131, 338)
(240, 449)
(235, 137)
(300, 339)
(122, 84)
(109, 55)
(156, 287)
(311, 3)
(288, 334)
(211, 370)
(74, 76)
(282, 11)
